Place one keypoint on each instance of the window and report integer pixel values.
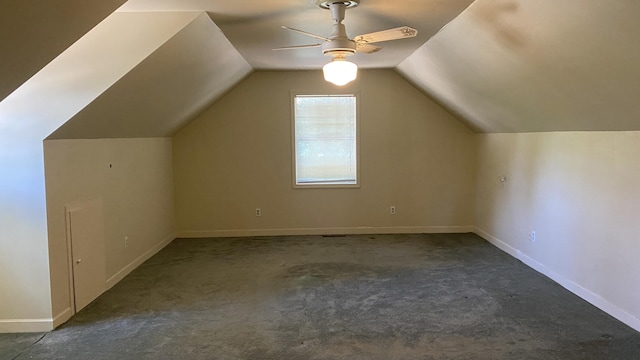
(325, 140)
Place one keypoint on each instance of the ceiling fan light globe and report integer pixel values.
(340, 72)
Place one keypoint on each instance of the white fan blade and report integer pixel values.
(366, 48)
(306, 33)
(386, 35)
(295, 47)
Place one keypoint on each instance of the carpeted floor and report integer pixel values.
(444, 296)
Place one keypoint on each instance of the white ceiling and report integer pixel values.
(174, 83)
(253, 27)
(500, 65)
(85, 71)
(529, 66)
(34, 32)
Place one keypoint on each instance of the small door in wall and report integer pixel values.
(87, 250)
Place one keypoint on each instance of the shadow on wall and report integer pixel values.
(495, 16)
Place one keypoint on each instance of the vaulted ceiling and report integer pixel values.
(528, 66)
(153, 65)
(34, 32)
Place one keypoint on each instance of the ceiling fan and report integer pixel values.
(340, 71)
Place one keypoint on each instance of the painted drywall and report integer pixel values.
(254, 27)
(33, 32)
(528, 66)
(237, 156)
(27, 116)
(134, 179)
(579, 192)
(168, 89)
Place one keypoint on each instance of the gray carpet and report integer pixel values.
(450, 296)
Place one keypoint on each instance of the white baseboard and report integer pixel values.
(25, 325)
(364, 230)
(589, 296)
(34, 325)
(137, 262)
(61, 318)
(43, 325)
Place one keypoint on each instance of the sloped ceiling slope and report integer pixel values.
(207, 58)
(81, 73)
(34, 32)
(166, 90)
(171, 85)
(254, 27)
(529, 66)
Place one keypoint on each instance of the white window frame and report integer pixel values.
(295, 183)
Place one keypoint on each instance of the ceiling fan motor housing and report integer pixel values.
(339, 42)
(346, 49)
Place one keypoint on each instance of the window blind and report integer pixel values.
(325, 138)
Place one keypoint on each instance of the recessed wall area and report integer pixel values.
(133, 178)
(237, 156)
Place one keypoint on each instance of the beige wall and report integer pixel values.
(237, 156)
(31, 113)
(137, 196)
(579, 192)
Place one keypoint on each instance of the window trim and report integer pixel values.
(292, 97)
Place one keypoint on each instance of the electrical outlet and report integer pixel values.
(532, 236)
(126, 242)
(258, 212)
(392, 210)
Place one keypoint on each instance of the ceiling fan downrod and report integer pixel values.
(339, 43)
